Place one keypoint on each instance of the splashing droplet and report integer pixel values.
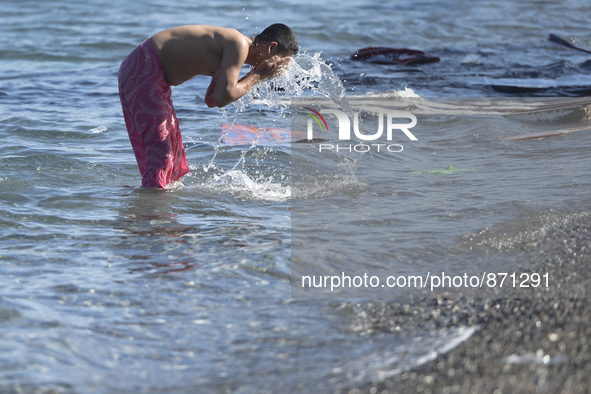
(305, 74)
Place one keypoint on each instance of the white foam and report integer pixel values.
(387, 362)
(471, 58)
(539, 357)
(238, 183)
(96, 130)
(407, 92)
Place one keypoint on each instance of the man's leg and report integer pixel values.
(150, 118)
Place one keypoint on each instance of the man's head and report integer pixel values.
(279, 39)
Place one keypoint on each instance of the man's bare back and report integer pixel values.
(187, 51)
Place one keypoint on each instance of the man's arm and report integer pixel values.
(227, 88)
(209, 94)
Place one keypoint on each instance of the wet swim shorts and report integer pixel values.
(150, 118)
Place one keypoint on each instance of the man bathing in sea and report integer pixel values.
(174, 56)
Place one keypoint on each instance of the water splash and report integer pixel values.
(243, 186)
(305, 75)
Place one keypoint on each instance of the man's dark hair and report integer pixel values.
(282, 35)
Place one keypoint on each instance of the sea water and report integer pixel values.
(106, 287)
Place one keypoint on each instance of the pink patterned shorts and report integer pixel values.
(150, 118)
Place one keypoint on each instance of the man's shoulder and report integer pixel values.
(230, 34)
(204, 30)
(232, 38)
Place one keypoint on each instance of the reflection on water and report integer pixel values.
(151, 230)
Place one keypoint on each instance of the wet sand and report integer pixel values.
(522, 345)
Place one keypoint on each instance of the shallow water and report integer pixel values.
(106, 287)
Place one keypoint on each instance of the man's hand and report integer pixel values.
(272, 66)
(223, 91)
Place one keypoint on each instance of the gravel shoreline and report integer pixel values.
(537, 345)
